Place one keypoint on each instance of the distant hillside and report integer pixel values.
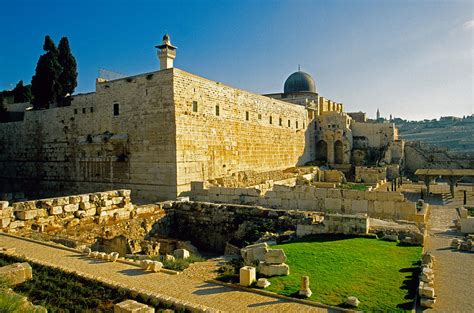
(456, 134)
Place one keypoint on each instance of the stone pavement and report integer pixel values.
(454, 270)
(182, 287)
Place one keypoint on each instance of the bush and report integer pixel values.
(180, 264)
(229, 272)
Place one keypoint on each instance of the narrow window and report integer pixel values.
(195, 106)
(259, 116)
(280, 122)
(83, 110)
(75, 111)
(289, 123)
(271, 120)
(246, 116)
(116, 109)
(296, 124)
(146, 92)
(92, 110)
(217, 110)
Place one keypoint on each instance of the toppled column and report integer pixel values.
(304, 287)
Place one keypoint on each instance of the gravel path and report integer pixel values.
(182, 286)
(454, 270)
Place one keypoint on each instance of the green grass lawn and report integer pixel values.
(381, 274)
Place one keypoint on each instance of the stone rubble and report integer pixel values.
(263, 283)
(426, 289)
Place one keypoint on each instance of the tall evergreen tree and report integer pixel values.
(21, 93)
(44, 84)
(68, 78)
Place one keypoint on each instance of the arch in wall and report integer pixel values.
(322, 151)
(338, 152)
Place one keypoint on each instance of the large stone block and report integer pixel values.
(247, 276)
(181, 253)
(55, 210)
(333, 204)
(273, 269)
(16, 273)
(275, 256)
(3, 205)
(4, 222)
(71, 208)
(254, 253)
(132, 306)
(359, 206)
(26, 214)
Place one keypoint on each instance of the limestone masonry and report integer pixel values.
(155, 133)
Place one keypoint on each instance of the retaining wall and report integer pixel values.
(376, 204)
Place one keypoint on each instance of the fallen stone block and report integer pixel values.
(16, 224)
(132, 306)
(16, 273)
(254, 253)
(3, 205)
(155, 266)
(275, 256)
(169, 257)
(427, 292)
(352, 301)
(4, 222)
(270, 270)
(427, 302)
(247, 276)
(263, 283)
(114, 256)
(181, 254)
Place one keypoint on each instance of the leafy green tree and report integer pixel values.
(21, 93)
(68, 78)
(44, 84)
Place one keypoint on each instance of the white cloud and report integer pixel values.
(468, 25)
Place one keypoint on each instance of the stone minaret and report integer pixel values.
(167, 53)
(378, 114)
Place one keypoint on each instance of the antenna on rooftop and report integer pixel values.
(299, 68)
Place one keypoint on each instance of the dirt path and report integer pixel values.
(195, 290)
(454, 270)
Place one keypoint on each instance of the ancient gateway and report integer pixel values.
(157, 132)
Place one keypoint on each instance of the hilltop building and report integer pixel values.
(157, 132)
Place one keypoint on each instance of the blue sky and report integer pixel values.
(412, 59)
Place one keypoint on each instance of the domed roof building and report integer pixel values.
(299, 82)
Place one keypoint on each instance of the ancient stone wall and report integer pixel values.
(68, 211)
(221, 130)
(391, 205)
(121, 136)
(240, 225)
(370, 175)
(377, 134)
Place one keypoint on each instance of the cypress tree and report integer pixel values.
(21, 93)
(44, 84)
(68, 78)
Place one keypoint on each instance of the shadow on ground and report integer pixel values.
(410, 284)
(210, 289)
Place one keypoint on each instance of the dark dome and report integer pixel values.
(299, 82)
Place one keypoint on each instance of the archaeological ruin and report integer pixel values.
(178, 192)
